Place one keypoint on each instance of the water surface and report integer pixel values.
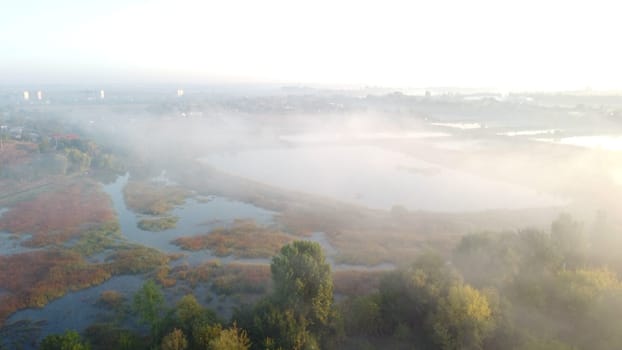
(377, 178)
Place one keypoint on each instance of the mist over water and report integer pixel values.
(378, 179)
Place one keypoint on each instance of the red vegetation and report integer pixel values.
(197, 274)
(55, 217)
(242, 278)
(14, 153)
(111, 298)
(135, 259)
(33, 279)
(244, 239)
(227, 279)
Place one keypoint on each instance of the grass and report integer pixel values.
(144, 197)
(244, 239)
(99, 239)
(158, 224)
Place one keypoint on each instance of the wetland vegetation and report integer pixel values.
(159, 224)
(94, 227)
(243, 239)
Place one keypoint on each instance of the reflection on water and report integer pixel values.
(358, 136)
(461, 126)
(76, 310)
(529, 132)
(12, 243)
(375, 178)
(194, 217)
(602, 142)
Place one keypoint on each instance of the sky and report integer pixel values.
(514, 45)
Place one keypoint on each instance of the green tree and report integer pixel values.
(176, 340)
(231, 339)
(149, 305)
(462, 319)
(70, 340)
(299, 314)
(188, 311)
(273, 327)
(80, 161)
(203, 334)
(195, 320)
(362, 315)
(303, 281)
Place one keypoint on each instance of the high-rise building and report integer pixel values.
(26, 95)
(180, 92)
(39, 95)
(102, 95)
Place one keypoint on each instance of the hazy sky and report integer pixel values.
(476, 43)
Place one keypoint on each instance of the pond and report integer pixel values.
(377, 178)
(195, 217)
(76, 310)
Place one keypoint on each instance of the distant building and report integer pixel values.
(102, 95)
(26, 95)
(180, 92)
(39, 95)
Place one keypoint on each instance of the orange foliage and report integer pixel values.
(33, 279)
(197, 274)
(162, 275)
(135, 259)
(55, 217)
(244, 239)
(14, 153)
(227, 279)
(111, 298)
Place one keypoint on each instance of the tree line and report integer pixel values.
(526, 289)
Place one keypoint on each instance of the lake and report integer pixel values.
(377, 178)
(598, 142)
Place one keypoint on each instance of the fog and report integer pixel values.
(511, 192)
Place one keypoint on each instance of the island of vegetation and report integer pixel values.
(158, 224)
(243, 239)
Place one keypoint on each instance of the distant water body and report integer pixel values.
(377, 178)
(599, 142)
